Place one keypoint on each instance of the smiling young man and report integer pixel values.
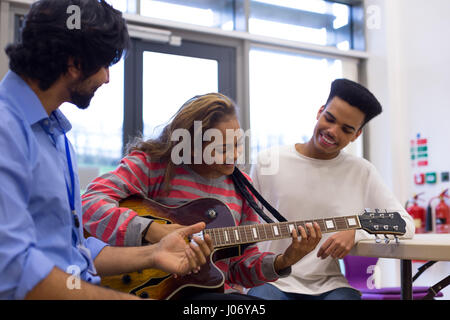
(317, 179)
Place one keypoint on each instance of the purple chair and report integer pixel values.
(356, 274)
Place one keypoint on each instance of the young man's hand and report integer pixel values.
(338, 245)
(299, 247)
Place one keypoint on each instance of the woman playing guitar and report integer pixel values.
(173, 172)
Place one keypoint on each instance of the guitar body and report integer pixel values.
(156, 284)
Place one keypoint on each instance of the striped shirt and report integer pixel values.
(138, 175)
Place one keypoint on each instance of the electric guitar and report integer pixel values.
(228, 240)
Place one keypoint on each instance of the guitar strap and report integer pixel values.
(241, 183)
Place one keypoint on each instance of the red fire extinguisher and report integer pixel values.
(417, 212)
(442, 213)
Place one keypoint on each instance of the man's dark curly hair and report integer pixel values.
(46, 41)
(357, 96)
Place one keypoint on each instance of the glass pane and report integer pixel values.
(314, 21)
(97, 131)
(121, 5)
(169, 81)
(286, 91)
(209, 13)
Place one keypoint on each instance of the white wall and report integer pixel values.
(409, 70)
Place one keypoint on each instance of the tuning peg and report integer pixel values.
(396, 239)
(377, 240)
(386, 239)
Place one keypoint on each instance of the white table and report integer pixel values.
(430, 247)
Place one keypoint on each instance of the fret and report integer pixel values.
(232, 235)
(340, 223)
(330, 224)
(211, 234)
(285, 229)
(282, 229)
(306, 229)
(236, 233)
(254, 233)
(352, 222)
(261, 226)
(345, 220)
(321, 224)
(276, 231)
(243, 234)
(251, 233)
(297, 224)
(222, 236)
(248, 234)
(241, 231)
(302, 224)
(213, 239)
(269, 231)
(291, 227)
(219, 236)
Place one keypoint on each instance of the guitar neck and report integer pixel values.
(229, 236)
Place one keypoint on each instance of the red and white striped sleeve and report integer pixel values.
(102, 216)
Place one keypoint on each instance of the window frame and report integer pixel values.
(239, 39)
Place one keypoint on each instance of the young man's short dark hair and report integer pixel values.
(47, 41)
(356, 95)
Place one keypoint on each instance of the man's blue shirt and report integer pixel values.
(37, 230)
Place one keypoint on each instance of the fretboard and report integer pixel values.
(229, 236)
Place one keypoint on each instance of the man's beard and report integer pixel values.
(81, 99)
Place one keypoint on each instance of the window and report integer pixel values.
(209, 13)
(194, 76)
(128, 6)
(286, 92)
(316, 21)
(97, 131)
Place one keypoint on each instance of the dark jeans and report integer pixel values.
(220, 296)
(270, 292)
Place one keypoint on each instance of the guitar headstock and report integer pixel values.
(382, 222)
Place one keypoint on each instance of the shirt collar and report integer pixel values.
(28, 102)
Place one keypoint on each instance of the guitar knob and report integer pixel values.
(212, 213)
(144, 295)
(377, 240)
(126, 279)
